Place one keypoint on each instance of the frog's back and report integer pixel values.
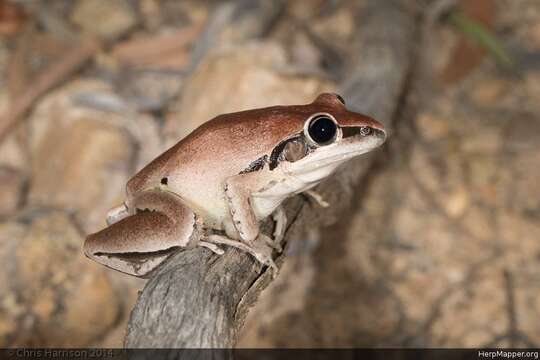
(221, 147)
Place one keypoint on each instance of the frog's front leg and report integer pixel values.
(239, 190)
(157, 224)
(245, 224)
(315, 196)
(238, 193)
(280, 220)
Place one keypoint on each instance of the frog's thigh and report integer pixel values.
(238, 189)
(140, 242)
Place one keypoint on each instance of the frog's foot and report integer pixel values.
(315, 196)
(260, 248)
(116, 214)
(212, 247)
(273, 243)
(280, 218)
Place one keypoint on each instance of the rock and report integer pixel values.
(81, 159)
(304, 53)
(296, 277)
(12, 184)
(456, 202)
(89, 154)
(108, 19)
(432, 128)
(489, 92)
(477, 226)
(13, 154)
(533, 35)
(157, 15)
(522, 134)
(50, 294)
(518, 236)
(149, 90)
(532, 85)
(438, 177)
(11, 310)
(524, 184)
(86, 167)
(466, 319)
(150, 13)
(485, 175)
(254, 71)
(488, 140)
(527, 303)
(339, 26)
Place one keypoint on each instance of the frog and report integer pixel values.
(216, 185)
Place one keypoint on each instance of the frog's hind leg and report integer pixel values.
(158, 224)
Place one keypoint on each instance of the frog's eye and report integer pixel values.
(321, 129)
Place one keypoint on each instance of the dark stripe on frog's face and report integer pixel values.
(255, 165)
(278, 154)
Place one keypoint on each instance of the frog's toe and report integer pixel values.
(317, 198)
(274, 243)
(116, 214)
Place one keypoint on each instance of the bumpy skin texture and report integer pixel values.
(228, 174)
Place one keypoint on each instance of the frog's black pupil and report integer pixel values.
(322, 130)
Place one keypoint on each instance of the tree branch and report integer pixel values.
(198, 299)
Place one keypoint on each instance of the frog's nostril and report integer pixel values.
(365, 130)
(164, 181)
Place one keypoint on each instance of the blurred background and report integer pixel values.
(441, 244)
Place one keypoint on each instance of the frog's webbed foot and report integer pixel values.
(259, 249)
(317, 198)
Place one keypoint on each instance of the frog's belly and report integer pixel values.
(208, 202)
(211, 204)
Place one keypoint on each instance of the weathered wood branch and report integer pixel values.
(199, 299)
